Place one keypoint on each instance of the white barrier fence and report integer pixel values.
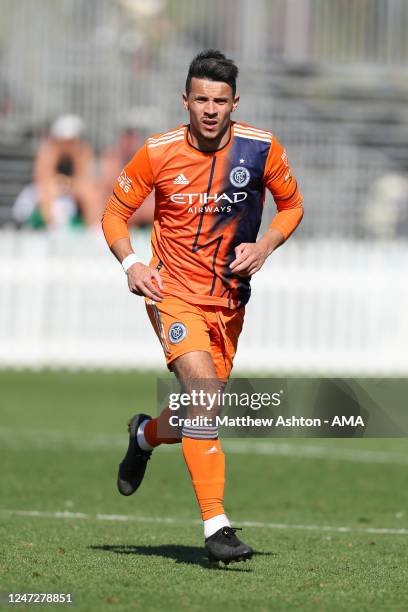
(318, 307)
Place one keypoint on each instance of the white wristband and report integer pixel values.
(129, 261)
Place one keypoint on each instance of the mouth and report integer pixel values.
(210, 124)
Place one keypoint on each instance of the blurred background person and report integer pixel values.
(386, 211)
(64, 190)
(113, 160)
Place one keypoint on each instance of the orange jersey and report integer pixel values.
(206, 205)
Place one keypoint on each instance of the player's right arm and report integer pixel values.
(133, 185)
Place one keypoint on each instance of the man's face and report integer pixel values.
(210, 104)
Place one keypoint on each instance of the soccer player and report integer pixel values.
(209, 178)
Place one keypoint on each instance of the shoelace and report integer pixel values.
(230, 531)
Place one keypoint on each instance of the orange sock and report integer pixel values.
(207, 471)
(159, 431)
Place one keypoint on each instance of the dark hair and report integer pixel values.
(214, 66)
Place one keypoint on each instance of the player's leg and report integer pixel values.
(189, 340)
(204, 457)
(132, 468)
(211, 330)
(145, 434)
(201, 447)
(180, 328)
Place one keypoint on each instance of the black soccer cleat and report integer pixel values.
(224, 546)
(133, 467)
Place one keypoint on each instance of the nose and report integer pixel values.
(210, 108)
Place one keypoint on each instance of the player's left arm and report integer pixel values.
(278, 178)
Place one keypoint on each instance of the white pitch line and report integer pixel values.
(310, 451)
(167, 520)
(33, 439)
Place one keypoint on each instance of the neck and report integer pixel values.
(214, 144)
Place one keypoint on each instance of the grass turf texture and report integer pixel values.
(62, 436)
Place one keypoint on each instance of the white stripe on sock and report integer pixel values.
(141, 440)
(214, 524)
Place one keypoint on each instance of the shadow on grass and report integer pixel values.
(192, 555)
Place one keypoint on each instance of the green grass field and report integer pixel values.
(62, 436)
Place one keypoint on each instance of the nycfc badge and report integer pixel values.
(239, 176)
(177, 332)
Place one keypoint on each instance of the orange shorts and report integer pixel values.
(182, 328)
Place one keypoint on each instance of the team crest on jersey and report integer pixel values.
(177, 332)
(239, 176)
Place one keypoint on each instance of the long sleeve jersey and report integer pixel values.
(206, 204)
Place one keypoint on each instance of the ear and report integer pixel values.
(235, 103)
(185, 101)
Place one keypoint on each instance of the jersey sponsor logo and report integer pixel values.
(209, 209)
(177, 332)
(205, 198)
(181, 180)
(125, 182)
(239, 176)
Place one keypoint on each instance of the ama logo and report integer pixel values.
(239, 176)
